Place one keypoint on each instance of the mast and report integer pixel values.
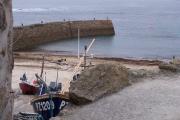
(82, 58)
(78, 42)
(57, 78)
(85, 53)
(42, 68)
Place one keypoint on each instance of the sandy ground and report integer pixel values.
(111, 107)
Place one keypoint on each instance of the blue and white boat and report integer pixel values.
(49, 105)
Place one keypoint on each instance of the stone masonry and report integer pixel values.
(6, 62)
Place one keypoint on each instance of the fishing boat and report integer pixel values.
(28, 89)
(49, 105)
(50, 101)
(34, 88)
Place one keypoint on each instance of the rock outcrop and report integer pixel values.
(169, 67)
(6, 98)
(98, 82)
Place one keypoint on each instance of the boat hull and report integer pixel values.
(49, 105)
(28, 89)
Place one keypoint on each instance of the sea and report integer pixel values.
(147, 29)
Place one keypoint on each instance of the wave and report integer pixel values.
(40, 9)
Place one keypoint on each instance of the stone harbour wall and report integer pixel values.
(27, 37)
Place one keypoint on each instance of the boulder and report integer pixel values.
(168, 67)
(97, 82)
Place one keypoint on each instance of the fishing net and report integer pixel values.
(28, 116)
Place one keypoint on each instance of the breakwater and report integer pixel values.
(27, 37)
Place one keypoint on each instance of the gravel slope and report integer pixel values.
(153, 99)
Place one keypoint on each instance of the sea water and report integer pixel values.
(144, 28)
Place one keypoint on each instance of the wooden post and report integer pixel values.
(6, 60)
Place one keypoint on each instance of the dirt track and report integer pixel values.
(153, 99)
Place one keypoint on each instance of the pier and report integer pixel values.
(27, 37)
